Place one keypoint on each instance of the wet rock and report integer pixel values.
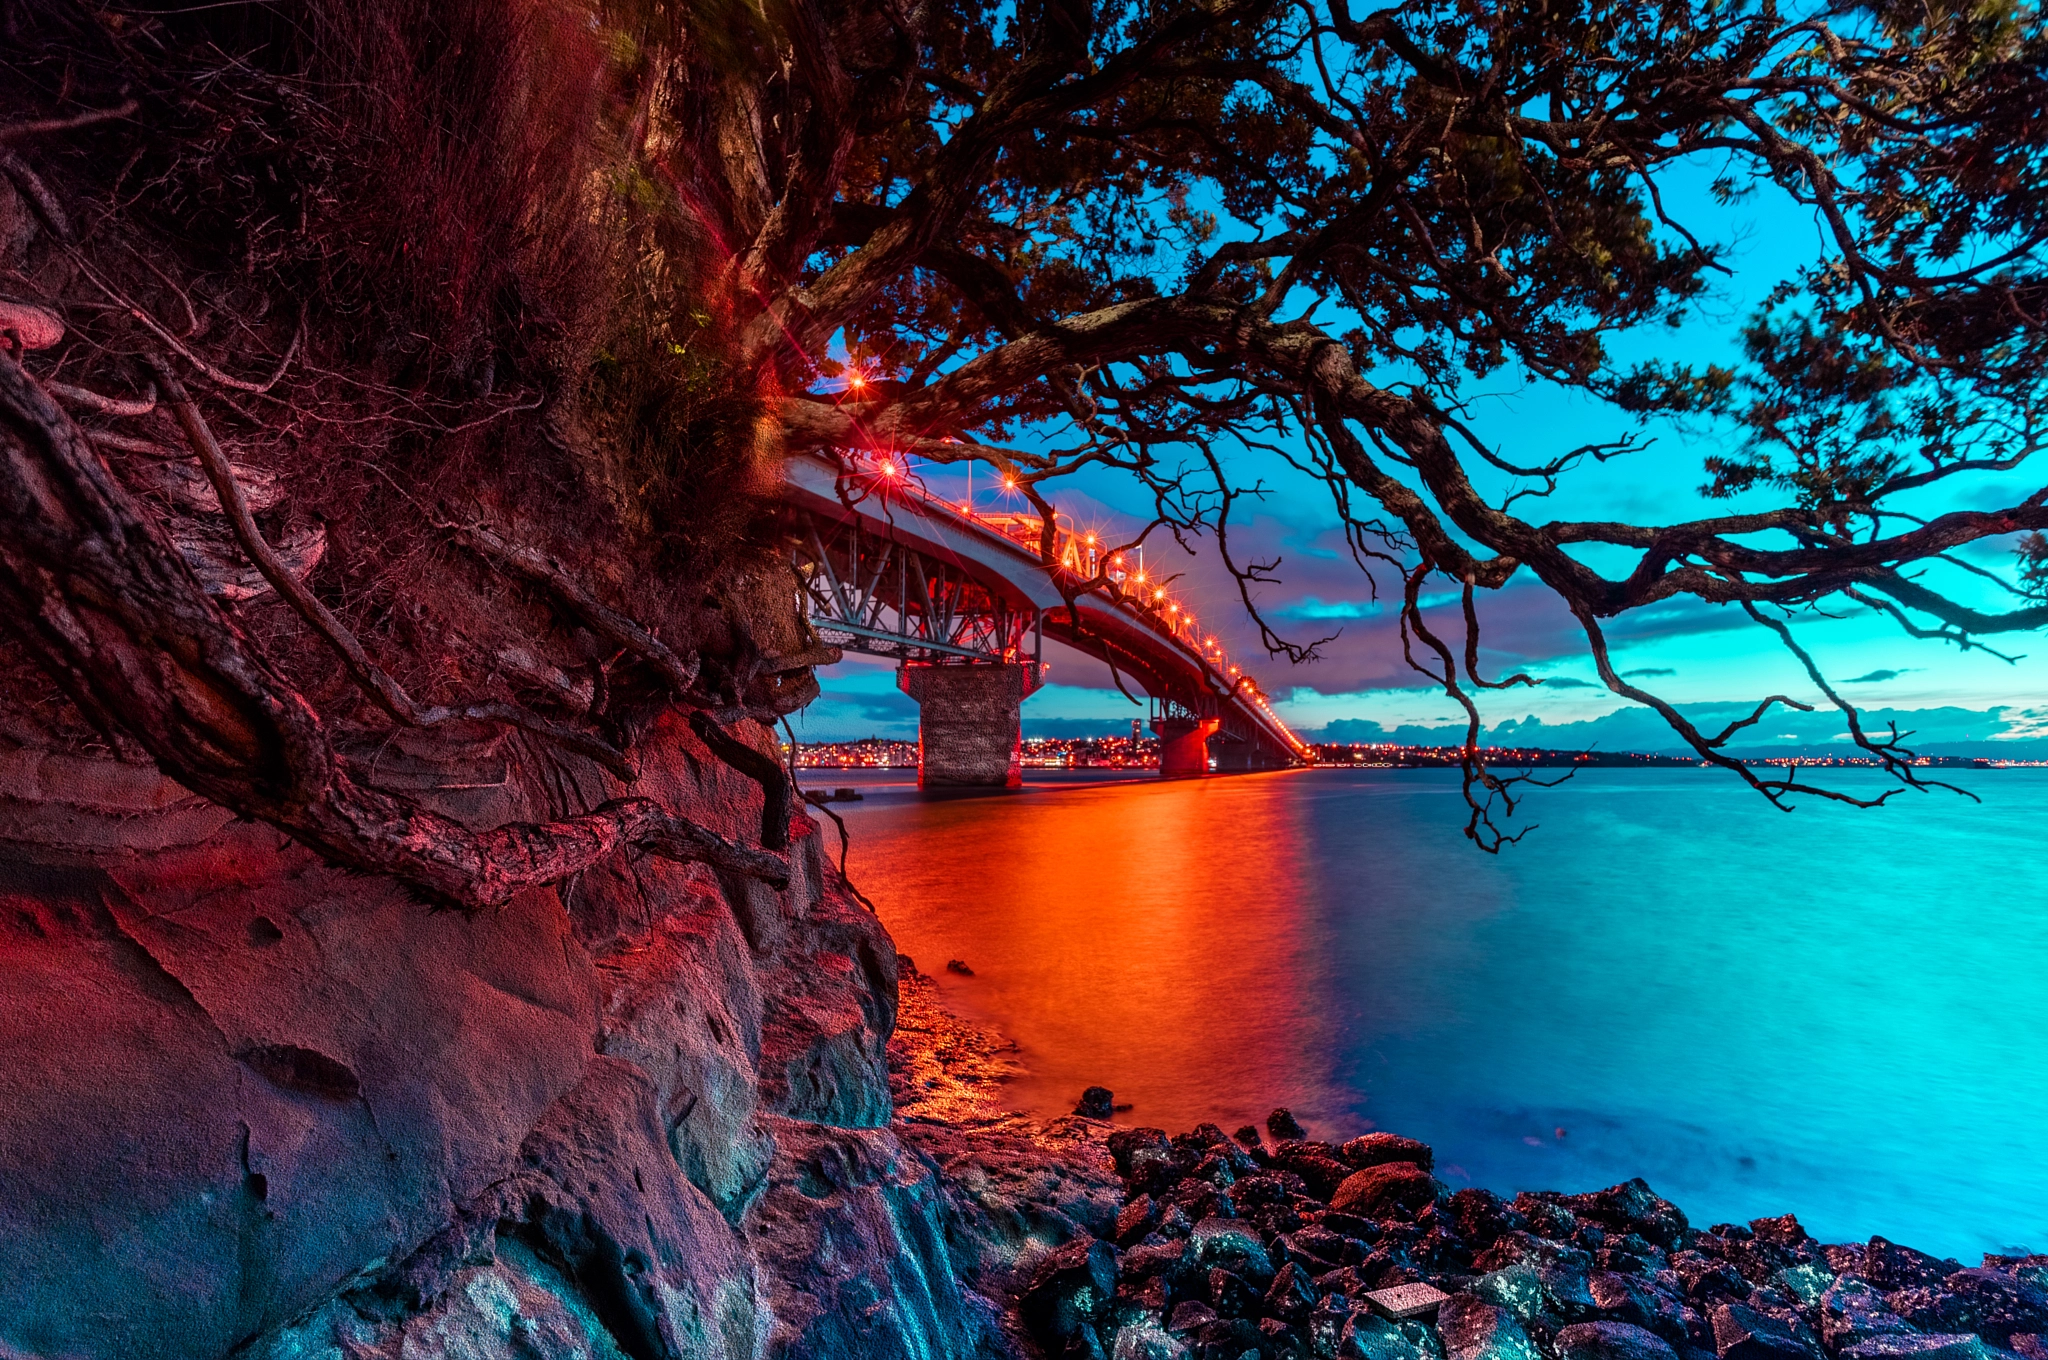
(1316, 1239)
(1248, 1138)
(1918, 1346)
(1784, 1231)
(1706, 1280)
(1990, 1303)
(1376, 1149)
(1850, 1312)
(1069, 1293)
(1633, 1207)
(1626, 1299)
(1743, 1333)
(1096, 1103)
(1368, 1337)
(1562, 1271)
(960, 967)
(1610, 1341)
(1229, 1243)
(1517, 1289)
(1545, 1216)
(1284, 1126)
(1473, 1329)
(1326, 1322)
(1890, 1266)
(1230, 1295)
(1807, 1283)
(1354, 1226)
(1144, 1158)
(1228, 1339)
(1383, 1190)
(1321, 1172)
(1482, 1216)
(1144, 1341)
(1135, 1220)
(1290, 1296)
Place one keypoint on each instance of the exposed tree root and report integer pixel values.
(100, 596)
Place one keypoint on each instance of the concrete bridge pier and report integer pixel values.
(1184, 745)
(970, 728)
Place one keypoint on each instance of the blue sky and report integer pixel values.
(1690, 653)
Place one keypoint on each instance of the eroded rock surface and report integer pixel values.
(257, 1105)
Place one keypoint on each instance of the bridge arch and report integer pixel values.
(964, 601)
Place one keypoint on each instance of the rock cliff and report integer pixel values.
(257, 1105)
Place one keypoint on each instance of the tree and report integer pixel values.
(1439, 191)
(623, 242)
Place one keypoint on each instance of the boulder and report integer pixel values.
(1473, 1329)
(1481, 1216)
(1743, 1333)
(1096, 1102)
(1633, 1207)
(1783, 1231)
(1807, 1283)
(1320, 1173)
(1516, 1289)
(1990, 1303)
(1610, 1341)
(1135, 1220)
(1850, 1312)
(1326, 1322)
(1366, 1336)
(1143, 1157)
(1707, 1281)
(1385, 1190)
(1068, 1294)
(1229, 1243)
(1919, 1346)
(1375, 1149)
(1627, 1299)
(1284, 1126)
(1144, 1341)
(1230, 1296)
(1291, 1297)
(1890, 1266)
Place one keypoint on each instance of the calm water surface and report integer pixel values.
(1839, 1013)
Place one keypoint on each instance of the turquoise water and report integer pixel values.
(1839, 1013)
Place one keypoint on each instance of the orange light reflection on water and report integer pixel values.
(1143, 936)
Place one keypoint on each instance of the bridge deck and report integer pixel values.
(1146, 640)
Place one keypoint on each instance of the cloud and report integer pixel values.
(1567, 682)
(1313, 607)
(1876, 677)
(1650, 670)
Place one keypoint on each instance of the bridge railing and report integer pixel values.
(1081, 557)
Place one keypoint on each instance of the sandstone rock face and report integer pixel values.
(252, 1104)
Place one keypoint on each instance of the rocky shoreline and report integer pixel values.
(1099, 1242)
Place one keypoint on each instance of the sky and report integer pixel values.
(1699, 656)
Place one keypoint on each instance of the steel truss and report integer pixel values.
(868, 593)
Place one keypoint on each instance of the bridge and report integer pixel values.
(964, 600)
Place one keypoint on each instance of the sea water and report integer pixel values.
(1836, 1012)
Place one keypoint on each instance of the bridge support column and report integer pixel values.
(969, 723)
(1184, 746)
